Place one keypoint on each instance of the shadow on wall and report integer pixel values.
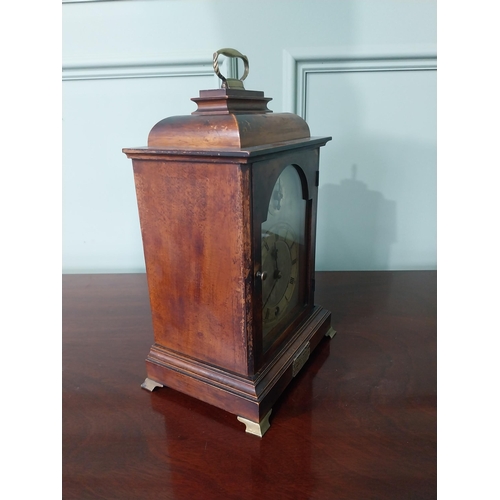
(360, 228)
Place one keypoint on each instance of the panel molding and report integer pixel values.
(86, 1)
(173, 66)
(299, 64)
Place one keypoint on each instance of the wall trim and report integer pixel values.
(298, 64)
(174, 65)
(86, 1)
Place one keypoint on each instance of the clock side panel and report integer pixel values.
(198, 258)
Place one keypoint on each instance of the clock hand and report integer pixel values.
(277, 272)
(270, 293)
(276, 276)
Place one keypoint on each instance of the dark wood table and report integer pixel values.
(358, 422)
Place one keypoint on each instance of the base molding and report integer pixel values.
(250, 399)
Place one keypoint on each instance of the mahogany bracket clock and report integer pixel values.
(227, 201)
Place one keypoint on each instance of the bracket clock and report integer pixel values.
(227, 200)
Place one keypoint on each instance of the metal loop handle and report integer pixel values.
(230, 83)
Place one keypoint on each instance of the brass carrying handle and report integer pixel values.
(230, 83)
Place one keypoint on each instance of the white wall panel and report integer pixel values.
(377, 206)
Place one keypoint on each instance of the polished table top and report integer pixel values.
(358, 422)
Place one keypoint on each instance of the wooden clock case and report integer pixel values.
(203, 187)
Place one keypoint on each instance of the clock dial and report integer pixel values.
(280, 263)
(283, 236)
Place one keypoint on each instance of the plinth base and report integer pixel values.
(250, 399)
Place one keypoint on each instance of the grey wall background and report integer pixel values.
(363, 72)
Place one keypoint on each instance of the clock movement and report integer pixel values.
(227, 200)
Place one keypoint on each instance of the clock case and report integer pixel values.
(203, 187)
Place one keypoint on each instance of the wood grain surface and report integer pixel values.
(358, 422)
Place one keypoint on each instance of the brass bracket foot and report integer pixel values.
(150, 384)
(330, 333)
(257, 428)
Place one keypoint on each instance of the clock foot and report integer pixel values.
(330, 333)
(150, 384)
(257, 428)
